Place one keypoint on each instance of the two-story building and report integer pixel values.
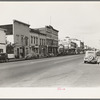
(34, 40)
(38, 42)
(17, 35)
(21, 38)
(51, 39)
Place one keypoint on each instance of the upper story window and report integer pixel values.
(44, 42)
(34, 40)
(1, 50)
(31, 39)
(26, 41)
(40, 41)
(22, 39)
(17, 38)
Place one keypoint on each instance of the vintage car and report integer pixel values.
(91, 57)
(3, 57)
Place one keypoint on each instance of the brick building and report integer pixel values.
(51, 39)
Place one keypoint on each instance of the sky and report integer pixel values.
(79, 20)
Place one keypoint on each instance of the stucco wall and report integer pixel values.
(2, 36)
(21, 29)
(10, 39)
(3, 40)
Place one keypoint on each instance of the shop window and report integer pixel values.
(26, 50)
(34, 40)
(44, 41)
(1, 50)
(31, 39)
(22, 39)
(26, 41)
(9, 49)
(36, 50)
(17, 38)
(40, 41)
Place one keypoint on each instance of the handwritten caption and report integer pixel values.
(60, 88)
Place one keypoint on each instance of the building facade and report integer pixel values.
(2, 41)
(17, 38)
(38, 42)
(51, 39)
(22, 40)
(34, 41)
(42, 44)
(80, 45)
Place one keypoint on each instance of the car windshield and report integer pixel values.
(90, 53)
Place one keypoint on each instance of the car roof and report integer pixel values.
(90, 51)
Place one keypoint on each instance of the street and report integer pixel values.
(64, 71)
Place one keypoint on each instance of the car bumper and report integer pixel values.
(92, 61)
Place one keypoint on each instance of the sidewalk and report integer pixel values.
(13, 60)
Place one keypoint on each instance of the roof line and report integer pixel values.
(21, 22)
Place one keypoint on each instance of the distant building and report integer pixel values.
(78, 42)
(68, 45)
(72, 45)
(66, 42)
(2, 41)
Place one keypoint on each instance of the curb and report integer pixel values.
(14, 60)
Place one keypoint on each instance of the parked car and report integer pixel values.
(90, 57)
(3, 57)
(32, 56)
(50, 55)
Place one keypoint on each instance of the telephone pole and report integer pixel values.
(50, 20)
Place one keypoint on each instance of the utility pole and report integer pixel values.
(50, 20)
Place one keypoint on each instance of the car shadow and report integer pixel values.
(93, 63)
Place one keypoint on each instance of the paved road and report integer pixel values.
(66, 71)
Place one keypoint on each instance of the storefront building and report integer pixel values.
(51, 39)
(34, 40)
(17, 38)
(22, 40)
